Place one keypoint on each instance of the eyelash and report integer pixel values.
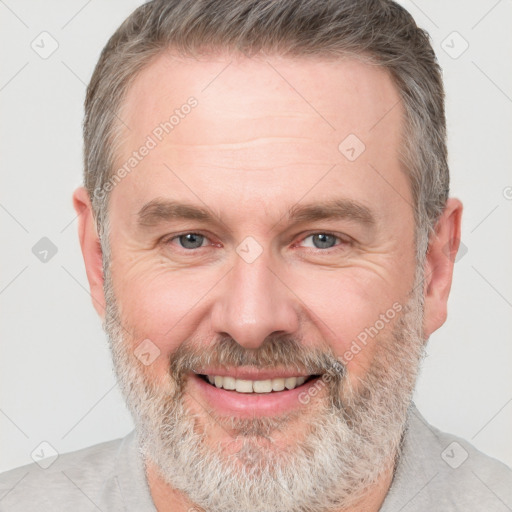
(168, 240)
(341, 241)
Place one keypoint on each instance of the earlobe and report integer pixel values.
(91, 248)
(440, 259)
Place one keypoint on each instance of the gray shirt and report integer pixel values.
(436, 472)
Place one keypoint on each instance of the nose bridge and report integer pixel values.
(253, 304)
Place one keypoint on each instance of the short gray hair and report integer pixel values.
(379, 30)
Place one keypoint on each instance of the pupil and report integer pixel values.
(191, 241)
(323, 241)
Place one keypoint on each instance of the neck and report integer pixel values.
(167, 499)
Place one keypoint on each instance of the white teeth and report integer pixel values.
(290, 382)
(255, 386)
(277, 384)
(301, 380)
(243, 386)
(262, 386)
(229, 383)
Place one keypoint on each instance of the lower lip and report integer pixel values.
(232, 403)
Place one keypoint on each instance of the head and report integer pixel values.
(266, 198)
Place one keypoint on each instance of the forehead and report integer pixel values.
(270, 124)
(331, 95)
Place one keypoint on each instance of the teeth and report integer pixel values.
(290, 382)
(277, 384)
(255, 386)
(243, 386)
(229, 383)
(262, 386)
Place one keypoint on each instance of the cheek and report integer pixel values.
(354, 311)
(161, 305)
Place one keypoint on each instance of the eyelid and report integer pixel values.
(342, 238)
(167, 239)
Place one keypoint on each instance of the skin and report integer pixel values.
(264, 138)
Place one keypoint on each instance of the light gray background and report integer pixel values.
(56, 379)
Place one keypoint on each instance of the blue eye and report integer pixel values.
(321, 241)
(191, 240)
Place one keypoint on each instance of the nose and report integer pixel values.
(253, 303)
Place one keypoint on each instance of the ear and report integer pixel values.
(91, 248)
(442, 250)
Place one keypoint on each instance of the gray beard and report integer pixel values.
(354, 438)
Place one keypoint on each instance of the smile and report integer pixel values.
(230, 383)
(249, 392)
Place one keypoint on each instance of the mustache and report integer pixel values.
(277, 351)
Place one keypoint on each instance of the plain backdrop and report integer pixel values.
(57, 383)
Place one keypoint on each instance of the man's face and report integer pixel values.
(267, 236)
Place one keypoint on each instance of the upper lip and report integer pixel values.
(252, 373)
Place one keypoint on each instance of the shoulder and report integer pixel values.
(73, 477)
(441, 471)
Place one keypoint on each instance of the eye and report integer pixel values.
(321, 241)
(191, 240)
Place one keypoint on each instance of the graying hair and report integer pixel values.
(379, 30)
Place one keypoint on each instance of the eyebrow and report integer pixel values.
(160, 210)
(333, 209)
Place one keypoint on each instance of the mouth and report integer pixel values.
(274, 385)
(251, 393)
